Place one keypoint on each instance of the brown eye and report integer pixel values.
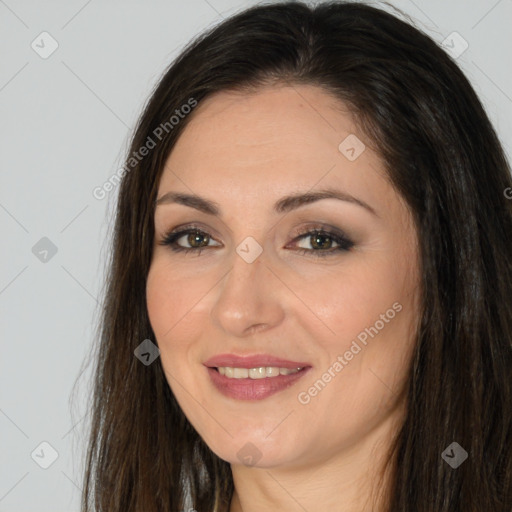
(321, 241)
(197, 239)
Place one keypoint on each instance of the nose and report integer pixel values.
(250, 298)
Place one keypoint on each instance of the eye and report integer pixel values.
(194, 236)
(321, 240)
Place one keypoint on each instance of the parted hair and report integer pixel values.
(418, 110)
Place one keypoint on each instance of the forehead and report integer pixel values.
(268, 143)
(285, 120)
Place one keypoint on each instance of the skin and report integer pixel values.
(245, 152)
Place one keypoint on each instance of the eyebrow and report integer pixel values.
(285, 204)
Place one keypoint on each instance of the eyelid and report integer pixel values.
(193, 226)
(337, 234)
(296, 232)
(344, 243)
(319, 226)
(182, 230)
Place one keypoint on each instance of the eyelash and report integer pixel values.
(344, 244)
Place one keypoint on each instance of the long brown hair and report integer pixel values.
(442, 155)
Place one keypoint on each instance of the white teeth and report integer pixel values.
(272, 371)
(240, 373)
(255, 373)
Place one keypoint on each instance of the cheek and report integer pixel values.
(178, 307)
(347, 300)
(167, 310)
(172, 300)
(371, 311)
(167, 305)
(160, 301)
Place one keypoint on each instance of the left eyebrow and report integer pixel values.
(285, 204)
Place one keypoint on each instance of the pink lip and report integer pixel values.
(253, 389)
(255, 361)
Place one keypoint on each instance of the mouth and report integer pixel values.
(253, 384)
(250, 362)
(261, 372)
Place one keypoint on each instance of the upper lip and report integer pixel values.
(254, 361)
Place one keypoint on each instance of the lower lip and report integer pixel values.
(253, 389)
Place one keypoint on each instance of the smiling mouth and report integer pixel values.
(261, 372)
(241, 386)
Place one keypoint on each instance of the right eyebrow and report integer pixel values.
(285, 204)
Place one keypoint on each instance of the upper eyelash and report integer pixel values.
(344, 243)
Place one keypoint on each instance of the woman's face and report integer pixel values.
(262, 294)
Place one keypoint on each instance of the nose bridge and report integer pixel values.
(247, 296)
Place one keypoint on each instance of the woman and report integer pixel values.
(313, 229)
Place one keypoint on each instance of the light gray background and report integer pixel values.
(65, 122)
